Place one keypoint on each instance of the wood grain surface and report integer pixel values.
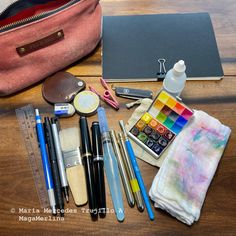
(217, 98)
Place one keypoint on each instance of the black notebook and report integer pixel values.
(132, 45)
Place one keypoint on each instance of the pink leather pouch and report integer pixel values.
(41, 39)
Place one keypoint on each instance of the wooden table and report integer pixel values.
(218, 98)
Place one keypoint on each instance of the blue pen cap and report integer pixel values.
(102, 120)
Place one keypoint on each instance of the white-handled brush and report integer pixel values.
(70, 142)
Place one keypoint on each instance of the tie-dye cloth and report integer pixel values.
(181, 184)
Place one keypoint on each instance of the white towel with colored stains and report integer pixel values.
(181, 184)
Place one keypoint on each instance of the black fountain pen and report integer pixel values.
(98, 169)
(87, 160)
(54, 166)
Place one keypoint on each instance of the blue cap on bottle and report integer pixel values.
(102, 120)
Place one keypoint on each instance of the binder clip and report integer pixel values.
(107, 96)
(162, 69)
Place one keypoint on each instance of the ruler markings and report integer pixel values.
(25, 116)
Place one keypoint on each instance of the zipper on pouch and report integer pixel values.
(35, 17)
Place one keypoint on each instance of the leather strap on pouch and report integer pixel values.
(41, 43)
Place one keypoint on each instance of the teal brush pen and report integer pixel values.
(111, 166)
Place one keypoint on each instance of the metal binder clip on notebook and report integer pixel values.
(107, 96)
(162, 69)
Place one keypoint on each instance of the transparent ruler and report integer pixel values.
(26, 118)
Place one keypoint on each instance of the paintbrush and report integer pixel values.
(70, 142)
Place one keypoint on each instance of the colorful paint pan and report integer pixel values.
(173, 116)
(166, 110)
(163, 142)
(146, 118)
(187, 114)
(161, 117)
(169, 123)
(169, 135)
(153, 123)
(149, 142)
(142, 137)
(161, 129)
(140, 124)
(135, 131)
(147, 130)
(181, 121)
(170, 113)
(158, 105)
(155, 135)
(157, 149)
(163, 97)
(171, 102)
(165, 119)
(153, 111)
(178, 108)
(176, 128)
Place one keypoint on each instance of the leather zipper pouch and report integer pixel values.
(39, 38)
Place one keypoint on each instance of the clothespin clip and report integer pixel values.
(107, 96)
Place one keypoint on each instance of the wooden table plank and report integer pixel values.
(217, 98)
(17, 188)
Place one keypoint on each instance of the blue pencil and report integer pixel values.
(137, 172)
(45, 161)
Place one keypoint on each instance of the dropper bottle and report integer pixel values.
(175, 79)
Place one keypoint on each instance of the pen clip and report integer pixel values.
(45, 132)
(55, 120)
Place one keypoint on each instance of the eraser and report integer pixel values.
(64, 110)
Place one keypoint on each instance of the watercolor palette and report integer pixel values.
(165, 119)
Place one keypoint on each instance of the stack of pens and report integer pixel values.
(59, 165)
(54, 171)
(119, 157)
(109, 151)
(93, 164)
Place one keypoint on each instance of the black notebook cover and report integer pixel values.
(132, 45)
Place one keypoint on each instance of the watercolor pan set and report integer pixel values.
(165, 118)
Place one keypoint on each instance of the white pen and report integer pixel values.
(60, 159)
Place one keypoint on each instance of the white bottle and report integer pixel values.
(175, 79)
